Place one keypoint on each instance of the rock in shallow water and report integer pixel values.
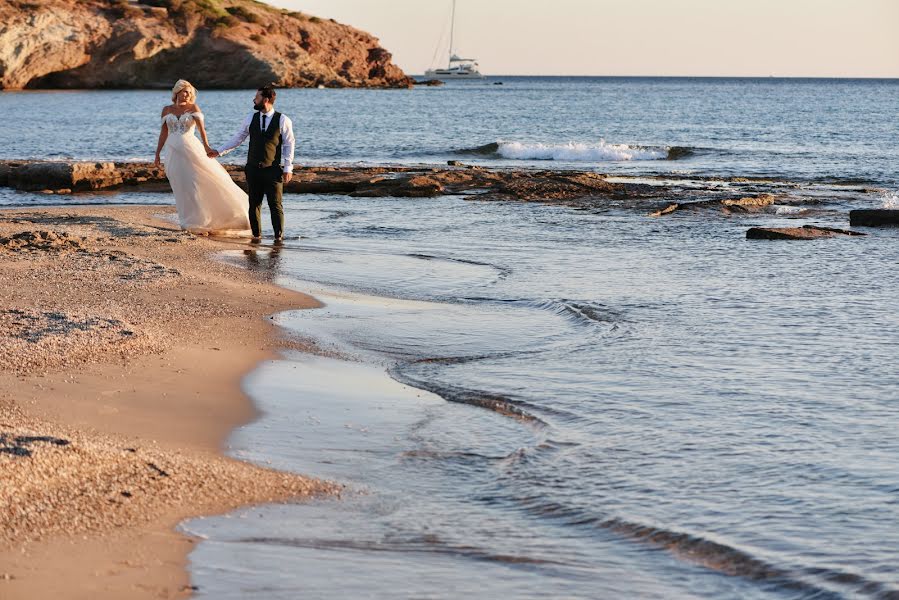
(806, 232)
(59, 176)
(727, 205)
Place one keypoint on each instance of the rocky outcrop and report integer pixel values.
(561, 186)
(65, 177)
(727, 205)
(874, 217)
(571, 188)
(212, 43)
(419, 186)
(806, 232)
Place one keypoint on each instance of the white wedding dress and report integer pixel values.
(208, 201)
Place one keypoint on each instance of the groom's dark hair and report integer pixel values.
(268, 91)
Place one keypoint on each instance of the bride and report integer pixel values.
(208, 201)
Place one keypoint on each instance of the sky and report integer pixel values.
(751, 38)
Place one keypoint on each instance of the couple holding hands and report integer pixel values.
(208, 201)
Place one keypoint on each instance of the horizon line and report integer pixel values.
(872, 77)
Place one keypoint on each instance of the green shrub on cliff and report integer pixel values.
(243, 13)
(214, 13)
(210, 10)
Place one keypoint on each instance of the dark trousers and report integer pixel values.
(265, 182)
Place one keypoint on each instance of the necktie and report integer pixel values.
(263, 122)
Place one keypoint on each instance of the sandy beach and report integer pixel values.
(123, 346)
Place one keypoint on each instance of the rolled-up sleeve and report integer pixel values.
(288, 144)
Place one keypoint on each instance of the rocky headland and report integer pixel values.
(85, 44)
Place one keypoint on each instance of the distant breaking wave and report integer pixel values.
(890, 200)
(576, 152)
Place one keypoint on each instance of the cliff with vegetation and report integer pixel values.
(70, 44)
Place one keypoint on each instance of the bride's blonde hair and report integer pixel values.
(183, 84)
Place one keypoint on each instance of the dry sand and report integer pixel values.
(122, 347)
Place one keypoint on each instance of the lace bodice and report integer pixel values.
(183, 124)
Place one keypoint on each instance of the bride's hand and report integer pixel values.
(156, 162)
(211, 152)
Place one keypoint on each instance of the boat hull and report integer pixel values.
(438, 74)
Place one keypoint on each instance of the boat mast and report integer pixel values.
(452, 31)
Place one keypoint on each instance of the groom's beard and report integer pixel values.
(258, 106)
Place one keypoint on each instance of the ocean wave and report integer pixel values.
(426, 543)
(810, 581)
(502, 271)
(578, 312)
(372, 230)
(577, 152)
(497, 403)
(581, 312)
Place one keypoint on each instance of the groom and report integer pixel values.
(269, 159)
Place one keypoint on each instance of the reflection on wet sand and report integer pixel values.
(264, 260)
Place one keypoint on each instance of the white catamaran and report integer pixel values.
(458, 68)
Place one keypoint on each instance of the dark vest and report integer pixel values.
(265, 146)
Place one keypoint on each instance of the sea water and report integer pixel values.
(533, 401)
(805, 129)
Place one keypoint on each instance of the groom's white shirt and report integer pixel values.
(288, 142)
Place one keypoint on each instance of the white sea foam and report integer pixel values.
(891, 200)
(789, 210)
(577, 152)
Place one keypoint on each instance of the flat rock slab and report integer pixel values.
(874, 217)
(78, 176)
(727, 205)
(806, 232)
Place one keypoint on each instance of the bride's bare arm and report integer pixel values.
(163, 135)
(201, 127)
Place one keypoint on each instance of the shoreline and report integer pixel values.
(128, 344)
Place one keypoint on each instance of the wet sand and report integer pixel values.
(122, 347)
